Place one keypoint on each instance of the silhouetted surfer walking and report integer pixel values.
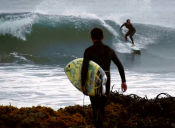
(131, 31)
(102, 55)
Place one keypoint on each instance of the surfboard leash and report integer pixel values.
(83, 100)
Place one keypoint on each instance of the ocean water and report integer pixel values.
(39, 37)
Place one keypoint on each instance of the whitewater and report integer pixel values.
(38, 38)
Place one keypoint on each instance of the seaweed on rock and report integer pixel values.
(121, 111)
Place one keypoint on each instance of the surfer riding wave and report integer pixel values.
(131, 31)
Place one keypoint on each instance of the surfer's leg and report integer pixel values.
(131, 40)
(108, 84)
(101, 115)
(95, 103)
(127, 34)
(101, 111)
(131, 37)
(98, 105)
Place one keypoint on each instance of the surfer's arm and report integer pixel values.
(122, 26)
(120, 66)
(84, 69)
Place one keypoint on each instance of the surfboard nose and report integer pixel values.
(67, 68)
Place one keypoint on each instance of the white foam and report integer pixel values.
(32, 85)
(145, 84)
(17, 26)
(29, 85)
(121, 47)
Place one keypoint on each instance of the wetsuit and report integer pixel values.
(102, 55)
(131, 31)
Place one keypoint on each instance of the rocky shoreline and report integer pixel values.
(122, 111)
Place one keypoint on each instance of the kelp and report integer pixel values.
(121, 111)
(137, 112)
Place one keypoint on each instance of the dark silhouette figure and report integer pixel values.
(102, 55)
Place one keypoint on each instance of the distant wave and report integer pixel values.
(20, 25)
(38, 38)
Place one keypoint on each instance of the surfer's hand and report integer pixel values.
(84, 90)
(124, 87)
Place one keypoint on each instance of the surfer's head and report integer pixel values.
(128, 20)
(97, 34)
